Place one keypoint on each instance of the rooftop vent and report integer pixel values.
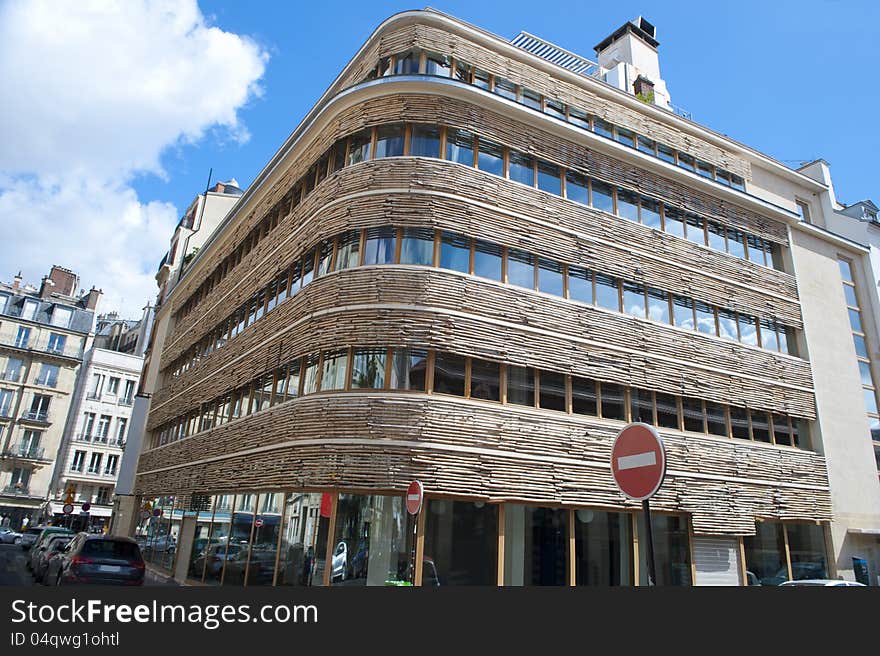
(554, 54)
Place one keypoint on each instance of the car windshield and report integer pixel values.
(111, 549)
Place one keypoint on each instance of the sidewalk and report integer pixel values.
(155, 576)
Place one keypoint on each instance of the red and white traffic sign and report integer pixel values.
(638, 461)
(67, 509)
(86, 506)
(415, 494)
(258, 522)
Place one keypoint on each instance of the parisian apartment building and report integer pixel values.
(473, 263)
(45, 333)
(97, 427)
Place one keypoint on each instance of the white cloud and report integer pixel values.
(94, 93)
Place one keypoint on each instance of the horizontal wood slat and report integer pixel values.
(721, 505)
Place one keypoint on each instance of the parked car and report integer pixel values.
(215, 555)
(260, 569)
(42, 537)
(339, 564)
(825, 582)
(102, 559)
(29, 536)
(8, 536)
(42, 553)
(161, 543)
(799, 571)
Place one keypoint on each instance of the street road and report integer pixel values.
(12, 569)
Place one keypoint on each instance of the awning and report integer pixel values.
(57, 508)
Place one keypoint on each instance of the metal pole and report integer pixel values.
(652, 572)
(412, 553)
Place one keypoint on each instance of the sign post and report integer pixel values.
(638, 464)
(415, 495)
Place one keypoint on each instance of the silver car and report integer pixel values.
(8, 536)
(825, 582)
(45, 552)
(29, 537)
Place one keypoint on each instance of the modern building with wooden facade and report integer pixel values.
(471, 264)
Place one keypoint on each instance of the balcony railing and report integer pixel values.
(27, 451)
(10, 376)
(93, 396)
(125, 401)
(94, 472)
(17, 489)
(109, 474)
(75, 469)
(55, 350)
(36, 415)
(51, 382)
(99, 439)
(82, 437)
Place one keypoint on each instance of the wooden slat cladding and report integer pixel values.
(521, 136)
(400, 39)
(471, 328)
(322, 216)
(495, 452)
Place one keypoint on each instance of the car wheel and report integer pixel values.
(17, 541)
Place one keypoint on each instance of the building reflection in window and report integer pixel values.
(765, 555)
(304, 539)
(603, 548)
(535, 545)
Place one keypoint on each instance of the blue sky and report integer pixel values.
(96, 168)
(793, 79)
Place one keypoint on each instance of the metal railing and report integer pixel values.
(82, 437)
(27, 451)
(93, 396)
(36, 415)
(125, 401)
(17, 489)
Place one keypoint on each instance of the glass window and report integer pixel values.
(550, 276)
(717, 236)
(626, 137)
(549, 178)
(686, 161)
(379, 246)
(693, 415)
(417, 246)
(870, 401)
(425, 141)
(850, 292)
(865, 371)
(583, 396)
(861, 346)
(487, 260)
(748, 329)
(333, 372)
(737, 182)
(781, 430)
(667, 410)
(646, 145)
(673, 221)
(490, 157)
(641, 406)
(437, 65)
(806, 545)
(739, 423)
(580, 284)
(722, 176)
(607, 293)
(716, 419)
(603, 548)
(706, 319)
(295, 277)
(628, 204)
(845, 269)
(552, 391)
(408, 367)
(338, 161)
(520, 385)
(683, 312)
(602, 127)
(634, 299)
(389, 140)
(359, 146)
(463, 72)
(481, 79)
(485, 380)
(602, 197)
(576, 188)
(760, 426)
(304, 539)
(535, 545)
(671, 550)
(578, 118)
(460, 146)
(765, 554)
(372, 543)
(308, 266)
(855, 320)
(449, 374)
(368, 368)
(461, 543)
(455, 252)
(613, 406)
(347, 253)
(650, 213)
(735, 243)
(325, 257)
(705, 169)
(520, 268)
(521, 168)
(695, 231)
(310, 377)
(727, 324)
(407, 63)
(658, 305)
(531, 99)
(505, 88)
(755, 249)
(800, 430)
(554, 108)
(768, 335)
(666, 153)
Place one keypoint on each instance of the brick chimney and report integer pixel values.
(16, 281)
(93, 298)
(47, 286)
(65, 280)
(645, 88)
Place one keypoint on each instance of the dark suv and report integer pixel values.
(102, 559)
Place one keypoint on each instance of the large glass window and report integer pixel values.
(425, 141)
(487, 260)
(237, 552)
(310, 377)
(334, 370)
(535, 545)
(368, 368)
(607, 293)
(490, 157)
(461, 543)
(806, 546)
(706, 319)
(765, 555)
(583, 396)
(455, 252)
(602, 197)
(552, 391)
(379, 246)
(389, 140)
(693, 415)
(603, 548)
(658, 305)
(408, 367)
(449, 374)
(520, 268)
(485, 380)
(460, 146)
(628, 204)
(671, 550)
(577, 188)
(417, 246)
(580, 284)
(634, 299)
(347, 254)
(673, 221)
(667, 410)
(304, 539)
(641, 404)
(739, 423)
(549, 178)
(716, 419)
(613, 406)
(372, 542)
(550, 276)
(727, 324)
(521, 168)
(263, 549)
(520, 385)
(359, 146)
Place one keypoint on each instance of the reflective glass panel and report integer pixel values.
(535, 545)
(485, 380)
(461, 543)
(603, 548)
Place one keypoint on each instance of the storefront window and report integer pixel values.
(806, 546)
(461, 543)
(535, 545)
(671, 550)
(208, 565)
(765, 555)
(373, 540)
(603, 548)
(240, 536)
(264, 546)
(304, 539)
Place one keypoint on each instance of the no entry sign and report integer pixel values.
(258, 522)
(638, 461)
(414, 496)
